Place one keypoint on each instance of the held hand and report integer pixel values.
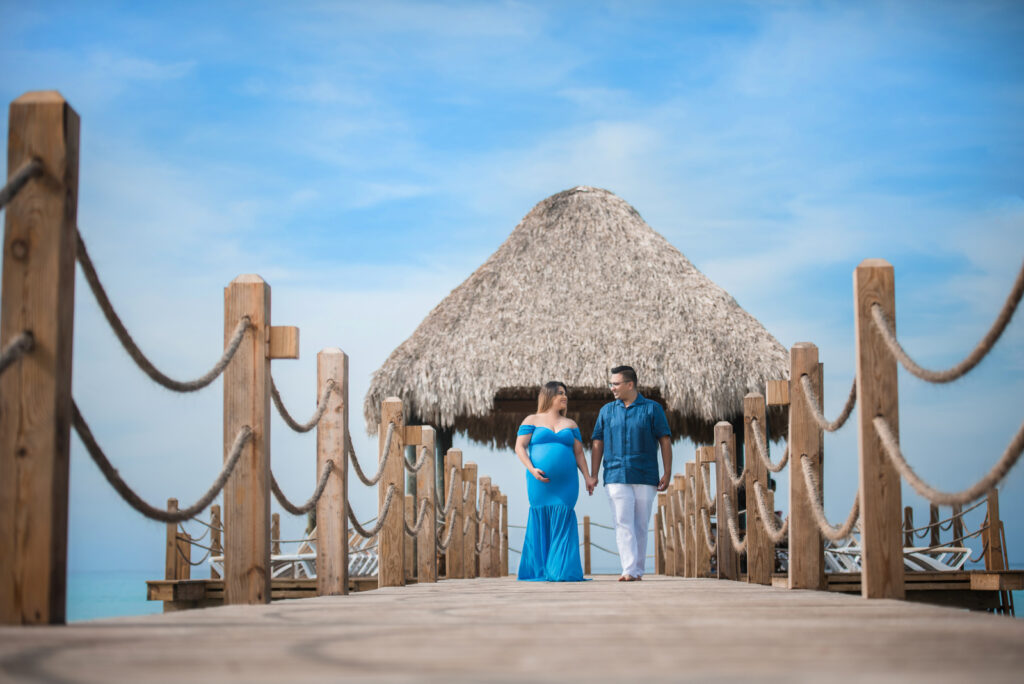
(663, 482)
(591, 484)
(539, 474)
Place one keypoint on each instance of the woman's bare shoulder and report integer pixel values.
(568, 423)
(530, 419)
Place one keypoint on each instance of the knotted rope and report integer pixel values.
(29, 170)
(818, 509)
(730, 467)
(421, 515)
(89, 271)
(369, 482)
(776, 534)
(318, 414)
(382, 516)
(134, 500)
(443, 545)
(740, 546)
(762, 449)
(979, 488)
(16, 348)
(977, 354)
(819, 417)
(308, 506)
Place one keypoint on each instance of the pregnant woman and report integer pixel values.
(550, 446)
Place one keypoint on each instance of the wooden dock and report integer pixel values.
(661, 629)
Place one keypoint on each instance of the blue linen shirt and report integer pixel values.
(630, 435)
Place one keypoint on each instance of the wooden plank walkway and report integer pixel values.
(661, 629)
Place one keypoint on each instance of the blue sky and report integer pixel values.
(364, 158)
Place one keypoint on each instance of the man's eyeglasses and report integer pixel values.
(613, 385)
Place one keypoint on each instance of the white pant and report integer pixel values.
(631, 510)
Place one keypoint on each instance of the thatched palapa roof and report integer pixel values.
(581, 285)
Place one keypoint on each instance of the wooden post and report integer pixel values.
(659, 541)
(426, 551)
(35, 393)
(586, 545)
(669, 536)
(760, 550)
(689, 512)
(391, 538)
(991, 537)
(171, 545)
(496, 520)
(485, 514)
(331, 510)
(247, 402)
(410, 543)
(454, 556)
(728, 559)
(473, 531)
(504, 535)
(880, 506)
(908, 525)
(705, 454)
(183, 556)
(678, 503)
(806, 549)
(275, 533)
(215, 545)
(958, 524)
(933, 520)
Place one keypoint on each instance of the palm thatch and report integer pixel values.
(581, 285)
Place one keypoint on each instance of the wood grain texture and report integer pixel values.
(469, 556)
(484, 562)
(38, 292)
(284, 342)
(877, 395)
(410, 542)
(247, 402)
(806, 551)
(586, 545)
(659, 538)
(391, 538)
(678, 503)
(215, 538)
(171, 544)
(760, 549)
(455, 556)
(689, 515)
(776, 392)
(504, 535)
(705, 454)
(331, 509)
(496, 543)
(426, 556)
(727, 559)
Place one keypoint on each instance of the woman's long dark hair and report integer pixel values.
(547, 395)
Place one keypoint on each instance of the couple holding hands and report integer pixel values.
(626, 437)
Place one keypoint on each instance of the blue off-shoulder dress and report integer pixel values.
(551, 551)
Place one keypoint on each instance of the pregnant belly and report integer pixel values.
(559, 466)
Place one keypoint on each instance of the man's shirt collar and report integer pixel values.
(639, 400)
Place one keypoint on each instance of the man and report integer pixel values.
(633, 428)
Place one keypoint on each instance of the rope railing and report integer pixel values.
(739, 545)
(443, 545)
(318, 413)
(89, 271)
(312, 501)
(206, 532)
(730, 467)
(415, 467)
(26, 172)
(133, 499)
(188, 560)
(980, 351)
(941, 523)
(818, 509)
(16, 348)
(949, 543)
(819, 417)
(775, 533)
(442, 508)
(421, 515)
(992, 478)
(705, 474)
(706, 524)
(382, 463)
(762, 449)
(381, 516)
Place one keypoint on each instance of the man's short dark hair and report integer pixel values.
(627, 373)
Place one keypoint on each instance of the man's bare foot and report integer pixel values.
(630, 578)
(625, 578)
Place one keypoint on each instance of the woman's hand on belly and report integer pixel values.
(539, 474)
